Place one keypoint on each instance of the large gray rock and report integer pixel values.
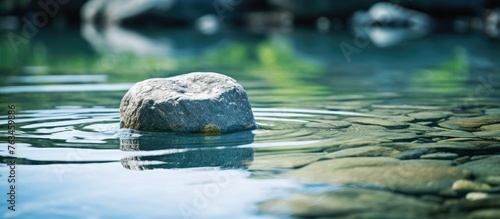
(316, 8)
(194, 103)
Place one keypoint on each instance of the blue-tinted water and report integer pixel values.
(74, 161)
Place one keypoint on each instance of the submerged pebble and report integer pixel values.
(448, 146)
(451, 133)
(490, 127)
(492, 134)
(469, 123)
(491, 201)
(441, 155)
(467, 186)
(492, 180)
(462, 160)
(400, 118)
(402, 176)
(368, 151)
(413, 154)
(328, 124)
(484, 168)
(429, 115)
(431, 162)
(476, 196)
(379, 122)
(493, 111)
(485, 214)
(356, 202)
(284, 160)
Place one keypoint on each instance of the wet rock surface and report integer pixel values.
(194, 103)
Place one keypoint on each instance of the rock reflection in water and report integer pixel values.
(188, 151)
(170, 44)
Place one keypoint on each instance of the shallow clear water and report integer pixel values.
(74, 161)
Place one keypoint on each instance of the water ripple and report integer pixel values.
(50, 135)
(65, 88)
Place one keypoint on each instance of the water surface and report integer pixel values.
(74, 161)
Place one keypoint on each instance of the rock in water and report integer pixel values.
(194, 103)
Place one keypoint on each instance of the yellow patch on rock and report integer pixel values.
(211, 128)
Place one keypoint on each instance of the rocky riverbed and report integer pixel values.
(402, 161)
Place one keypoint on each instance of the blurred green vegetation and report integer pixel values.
(449, 74)
(271, 67)
(9, 5)
(269, 61)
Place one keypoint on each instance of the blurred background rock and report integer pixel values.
(177, 36)
(208, 15)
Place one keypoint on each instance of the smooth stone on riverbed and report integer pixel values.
(403, 176)
(413, 154)
(472, 196)
(468, 186)
(367, 151)
(426, 116)
(485, 214)
(328, 124)
(451, 133)
(440, 155)
(195, 103)
(448, 146)
(380, 122)
(284, 160)
(493, 180)
(347, 203)
(469, 123)
(493, 134)
(491, 127)
(484, 168)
